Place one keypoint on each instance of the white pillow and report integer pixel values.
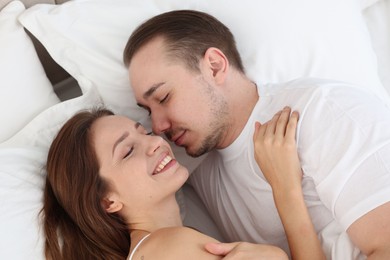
(377, 18)
(22, 177)
(364, 4)
(25, 90)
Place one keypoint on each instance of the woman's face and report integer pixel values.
(140, 168)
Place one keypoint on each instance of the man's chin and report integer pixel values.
(190, 152)
(195, 152)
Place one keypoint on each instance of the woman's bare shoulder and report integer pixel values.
(175, 243)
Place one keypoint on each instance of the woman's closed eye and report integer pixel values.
(128, 153)
(164, 99)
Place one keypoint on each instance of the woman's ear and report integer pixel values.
(111, 205)
(217, 63)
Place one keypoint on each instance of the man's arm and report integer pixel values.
(371, 233)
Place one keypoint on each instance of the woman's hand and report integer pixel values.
(276, 151)
(277, 156)
(247, 251)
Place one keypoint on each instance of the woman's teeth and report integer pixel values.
(163, 163)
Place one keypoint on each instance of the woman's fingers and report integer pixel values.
(282, 122)
(275, 150)
(257, 130)
(281, 126)
(271, 125)
(292, 126)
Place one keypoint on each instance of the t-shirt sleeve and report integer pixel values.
(344, 145)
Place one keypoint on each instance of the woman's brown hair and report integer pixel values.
(76, 225)
(187, 34)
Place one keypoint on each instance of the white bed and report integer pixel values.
(279, 40)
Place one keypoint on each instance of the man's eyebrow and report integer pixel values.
(152, 89)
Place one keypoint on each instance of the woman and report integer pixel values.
(110, 193)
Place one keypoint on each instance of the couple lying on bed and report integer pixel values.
(110, 188)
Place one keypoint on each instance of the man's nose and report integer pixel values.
(160, 123)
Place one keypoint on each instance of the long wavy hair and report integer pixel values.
(76, 225)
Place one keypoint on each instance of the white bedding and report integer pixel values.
(362, 55)
(377, 17)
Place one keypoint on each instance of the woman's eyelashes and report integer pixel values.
(164, 98)
(131, 149)
(128, 153)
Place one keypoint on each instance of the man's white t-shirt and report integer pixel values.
(343, 140)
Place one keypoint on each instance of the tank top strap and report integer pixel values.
(136, 247)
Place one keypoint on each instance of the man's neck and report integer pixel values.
(242, 101)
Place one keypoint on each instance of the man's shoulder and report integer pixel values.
(305, 83)
(316, 85)
(311, 89)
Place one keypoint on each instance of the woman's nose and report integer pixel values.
(154, 143)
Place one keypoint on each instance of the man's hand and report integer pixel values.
(247, 251)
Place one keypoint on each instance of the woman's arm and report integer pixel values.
(186, 243)
(277, 156)
(247, 251)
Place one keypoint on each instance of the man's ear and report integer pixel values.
(218, 64)
(111, 205)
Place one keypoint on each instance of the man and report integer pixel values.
(186, 71)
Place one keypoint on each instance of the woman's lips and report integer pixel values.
(164, 164)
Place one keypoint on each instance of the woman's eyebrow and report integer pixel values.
(123, 137)
(120, 139)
